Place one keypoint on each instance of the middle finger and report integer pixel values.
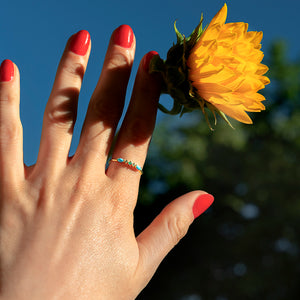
(106, 105)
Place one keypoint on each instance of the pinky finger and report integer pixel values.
(11, 133)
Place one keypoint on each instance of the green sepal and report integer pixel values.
(223, 116)
(195, 35)
(185, 110)
(176, 75)
(180, 37)
(156, 65)
(176, 109)
(175, 54)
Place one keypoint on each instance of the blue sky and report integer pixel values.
(33, 34)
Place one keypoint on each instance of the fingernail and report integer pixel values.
(202, 203)
(7, 70)
(80, 42)
(147, 60)
(124, 36)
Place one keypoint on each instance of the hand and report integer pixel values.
(67, 222)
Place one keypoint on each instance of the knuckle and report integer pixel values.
(10, 132)
(104, 109)
(6, 97)
(138, 130)
(75, 70)
(178, 226)
(117, 60)
(64, 114)
(9, 97)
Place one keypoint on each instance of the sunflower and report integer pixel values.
(218, 68)
(225, 67)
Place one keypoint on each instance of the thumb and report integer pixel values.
(167, 229)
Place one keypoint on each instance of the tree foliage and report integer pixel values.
(247, 245)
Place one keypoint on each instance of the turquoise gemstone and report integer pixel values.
(120, 160)
(139, 168)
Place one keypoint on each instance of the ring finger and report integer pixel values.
(136, 130)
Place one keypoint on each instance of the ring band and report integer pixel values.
(128, 163)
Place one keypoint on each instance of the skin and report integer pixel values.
(66, 223)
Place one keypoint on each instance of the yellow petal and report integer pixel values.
(255, 96)
(264, 80)
(220, 17)
(228, 99)
(234, 82)
(226, 37)
(238, 28)
(255, 37)
(251, 104)
(262, 69)
(251, 84)
(211, 33)
(215, 24)
(220, 74)
(236, 112)
(209, 88)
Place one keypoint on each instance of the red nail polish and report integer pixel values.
(123, 36)
(7, 70)
(202, 203)
(147, 60)
(80, 42)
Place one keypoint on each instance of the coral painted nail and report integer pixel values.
(147, 60)
(124, 36)
(7, 70)
(80, 42)
(202, 203)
